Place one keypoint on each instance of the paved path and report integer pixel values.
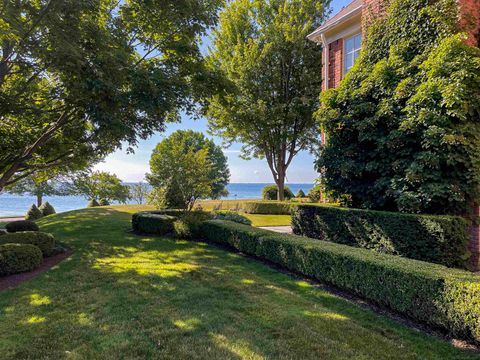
(279, 229)
(8, 219)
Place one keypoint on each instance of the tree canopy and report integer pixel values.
(273, 79)
(403, 128)
(99, 185)
(39, 186)
(185, 167)
(78, 78)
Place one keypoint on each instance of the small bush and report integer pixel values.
(188, 225)
(33, 213)
(430, 293)
(21, 225)
(103, 202)
(152, 223)
(438, 239)
(45, 242)
(47, 209)
(93, 203)
(231, 216)
(267, 207)
(3, 232)
(270, 192)
(315, 194)
(17, 258)
(300, 194)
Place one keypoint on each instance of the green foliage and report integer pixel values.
(270, 192)
(103, 202)
(300, 194)
(315, 193)
(3, 232)
(39, 185)
(47, 209)
(33, 213)
(101, 73)
(231, 216)
(403, 127)
(439, 239)
(21, 225)
(99, 185)
(45, 242)
(17, 258)
(267, 207)
(188, 225)
(93, 203)
(272, 72)
(185, 167)
(139, 193)
(153, 223)
(433, 294)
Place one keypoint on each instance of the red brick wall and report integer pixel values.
(470, 19)
(372, 9)
(335, 63)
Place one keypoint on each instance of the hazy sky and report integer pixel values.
(132, 167)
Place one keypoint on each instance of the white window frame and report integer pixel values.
(354, 50)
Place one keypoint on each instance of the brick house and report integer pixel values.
(341, 39)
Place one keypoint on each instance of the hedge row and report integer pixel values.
(17, 258)
(152, 223)
(438, 239)
(45, 242)
(267, 207)
(443, 298)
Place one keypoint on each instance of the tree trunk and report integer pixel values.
(39, 200)
(281, 184)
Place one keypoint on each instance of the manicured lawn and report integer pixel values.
(125, 296)
(269, 220)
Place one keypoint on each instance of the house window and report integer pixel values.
(352, 50)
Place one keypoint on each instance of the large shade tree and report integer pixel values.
(404, 125)
(98, 185)
(78, 78)
(273, 77)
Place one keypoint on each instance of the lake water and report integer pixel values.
(17, 205)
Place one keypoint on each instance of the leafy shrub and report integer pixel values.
(103, 202)
(33, 213)
(270, 192)
(438, 239)
(430, 293)
(93, 203)
(152, 223)
(47, 209)
(188, 225)
(231, 216)
(21, 225)
(300, 194)
(17, 258)
(45, 242)
(3, 232)
(315, 193)
(267, 207)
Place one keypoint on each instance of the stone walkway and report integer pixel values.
(279, 229)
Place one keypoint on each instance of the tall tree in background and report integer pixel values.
(274, 81)
(78, 78)
(38, 186)
(99, 185)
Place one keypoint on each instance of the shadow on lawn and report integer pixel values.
(125, 296)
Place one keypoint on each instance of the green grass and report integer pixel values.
(122, 296)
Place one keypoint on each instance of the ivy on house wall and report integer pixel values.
(404, 125)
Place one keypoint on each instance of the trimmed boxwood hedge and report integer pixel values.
(439, 239)
(21, 225)
(152, 223)
(443, 298)
(267, 207)
(45, 242)
(17, 258)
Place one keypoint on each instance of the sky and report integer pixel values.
(133, 167)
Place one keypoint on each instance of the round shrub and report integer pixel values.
(270, 192)
(103, 202)
(44, 241)
(17, 258)
(300, 194)
(21, 225)
(315, 193)
(47, 209)
(231, 216)
(93, 203)
(33, 213)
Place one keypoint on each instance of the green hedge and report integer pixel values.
(231, 216)
(152, 223)
(267, 207)
(439, 239)
(21, 225)
(45, 242)
(17, 258)
(444, 298)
